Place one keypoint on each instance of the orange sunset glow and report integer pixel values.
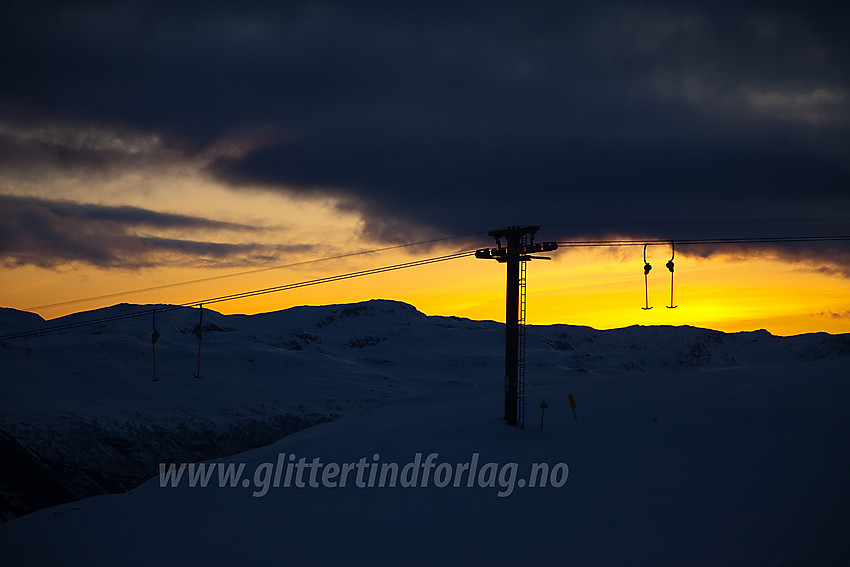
(182, 164)
(597, 287)
(601, 287)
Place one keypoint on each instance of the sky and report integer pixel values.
(144, 144)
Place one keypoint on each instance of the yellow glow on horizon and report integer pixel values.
(596, 288)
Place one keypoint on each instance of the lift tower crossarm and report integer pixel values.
(514, 252)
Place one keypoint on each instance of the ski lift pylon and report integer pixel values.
(199, 333)
(154, 338)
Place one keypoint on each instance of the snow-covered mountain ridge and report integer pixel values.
(83, 401)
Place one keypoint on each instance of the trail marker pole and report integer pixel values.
(543, 406)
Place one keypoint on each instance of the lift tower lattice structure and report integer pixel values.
(519, 245)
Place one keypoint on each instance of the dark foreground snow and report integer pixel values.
(692, 447)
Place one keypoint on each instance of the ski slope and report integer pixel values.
(691, 447)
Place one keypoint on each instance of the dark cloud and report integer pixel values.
(834, 314)
(665, 120)
(831, 258)
(27, 152)
(49, 233)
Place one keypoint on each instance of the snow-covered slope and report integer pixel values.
(84, 401)
(691, 447)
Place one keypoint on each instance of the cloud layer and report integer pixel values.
(48, 233)
(672, 120)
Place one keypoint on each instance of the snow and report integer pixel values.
(691, 446)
